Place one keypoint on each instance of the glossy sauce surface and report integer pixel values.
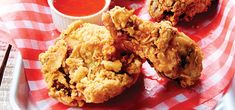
(79, 7)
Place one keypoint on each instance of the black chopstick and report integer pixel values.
(4, 62)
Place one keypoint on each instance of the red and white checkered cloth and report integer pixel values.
(30, 25)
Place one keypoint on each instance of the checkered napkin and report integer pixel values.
(30, 26)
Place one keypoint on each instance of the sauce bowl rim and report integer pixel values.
(107, 3)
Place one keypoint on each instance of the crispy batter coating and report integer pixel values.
(171, 53)
(85, 65)
(175, 10)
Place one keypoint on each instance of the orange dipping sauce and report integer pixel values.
(79, 7)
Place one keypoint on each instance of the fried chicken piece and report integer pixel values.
(170, 52)
(176, 10)
(85, 65)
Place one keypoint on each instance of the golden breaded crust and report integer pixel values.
(85, 65)
(176, 10)
(170, 52)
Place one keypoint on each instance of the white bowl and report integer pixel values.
(61, 20)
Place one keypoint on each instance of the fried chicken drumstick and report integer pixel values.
(170, 52)
(175, 10)
(85, 66)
